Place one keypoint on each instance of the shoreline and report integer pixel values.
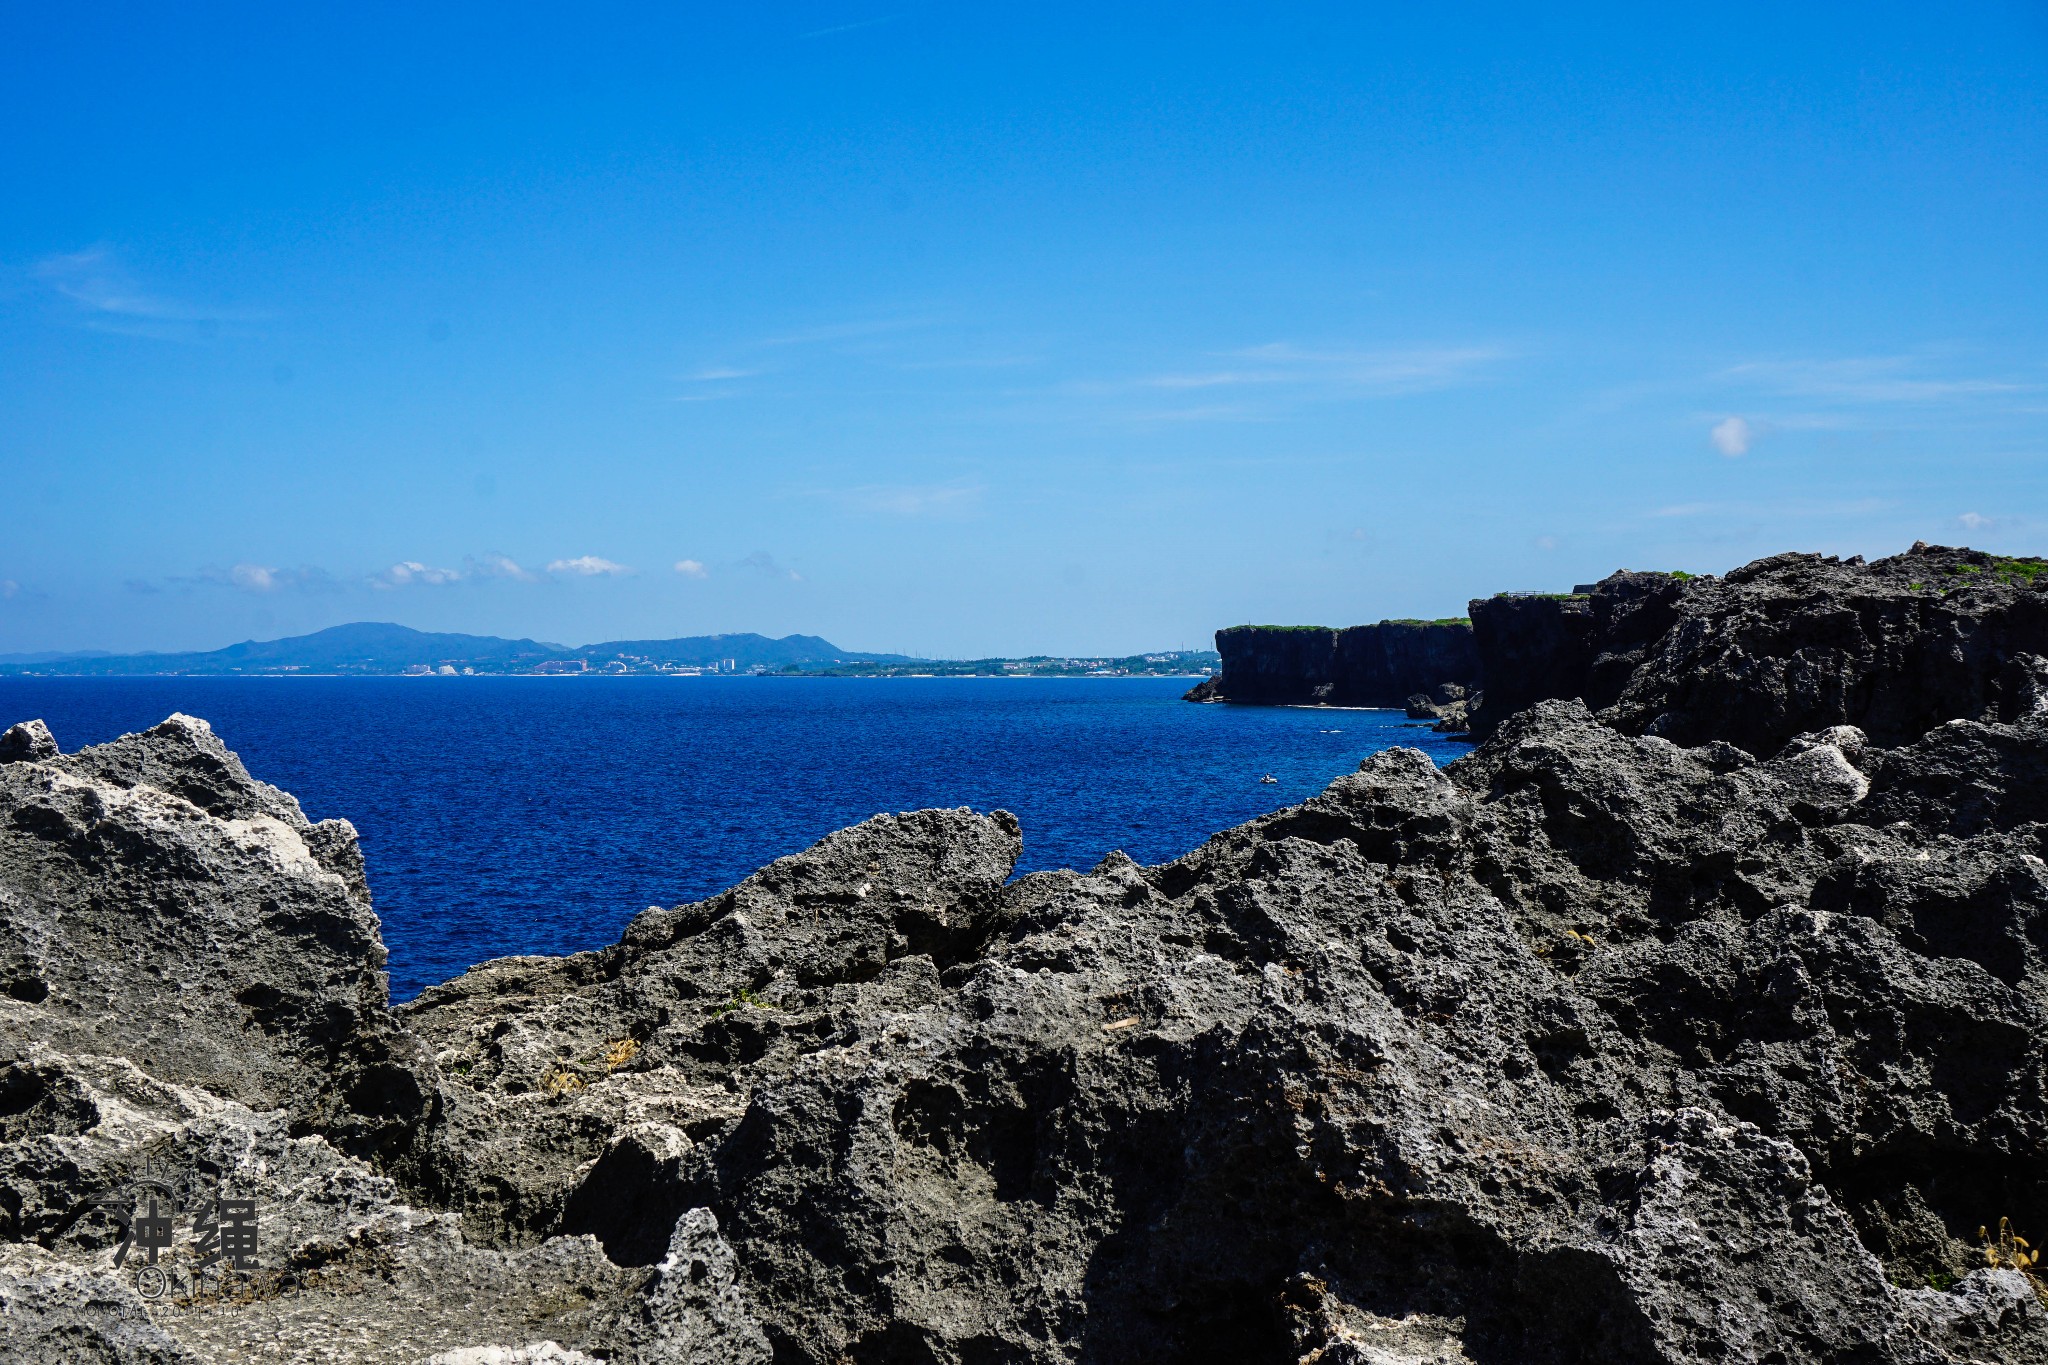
(581, 677)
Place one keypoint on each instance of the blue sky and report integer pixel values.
(998, 328)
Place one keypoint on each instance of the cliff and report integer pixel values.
(1379, 665)
(1586, 644)
(1779, 647)
(1599, 1046)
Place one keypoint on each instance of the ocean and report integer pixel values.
(539, 815)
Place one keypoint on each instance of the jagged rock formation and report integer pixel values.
(1450, 706)
(1585, 644)
(161, 905)
(1592, 1047)
(1378, 665)
(1776, 648)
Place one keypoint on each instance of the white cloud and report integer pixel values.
(690, 568)
(255, 578)
(1546, 542)
(714, 373)
(499, 566)
(1733, 436)
(1976, 521)
(411, 571)
(588, 566)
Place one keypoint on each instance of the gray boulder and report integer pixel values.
(158, 903)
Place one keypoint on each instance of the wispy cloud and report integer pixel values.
(412, 573)
(848, 28)
(587, 566)
(9, 588)
(1977, 521)
(1305, 372)
(1776, 511)
(495, 565)
(1891, 379)
(843, 331)
(105, 297)
(720, 380)
(260, 578)
(1409, 370)
(908, 500)
(763, 563)
(692, 568)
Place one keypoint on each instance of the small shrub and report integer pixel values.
(740, 997)
(619, 1053)
(560, 1081)
(2021, 571)
(2008, 1250)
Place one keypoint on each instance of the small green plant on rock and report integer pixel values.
(2022, 571)
(740, 997)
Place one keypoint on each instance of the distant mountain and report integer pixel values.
(746, 650)
(52, 656)
(381, 647)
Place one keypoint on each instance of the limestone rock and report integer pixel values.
(1709, 1040)
(158, 903)
(1799, 642)
(1377, 665)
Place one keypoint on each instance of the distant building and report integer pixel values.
(446, 670)
(561, 666)
(418, 670)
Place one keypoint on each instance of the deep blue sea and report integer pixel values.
(538, 815)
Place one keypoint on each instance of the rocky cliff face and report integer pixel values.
(1379, 665)
(1585, 644)
(1593, 1047)
(1776, 648)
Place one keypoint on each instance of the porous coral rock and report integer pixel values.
(1596, 1046)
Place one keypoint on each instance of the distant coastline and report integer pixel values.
(379, 649)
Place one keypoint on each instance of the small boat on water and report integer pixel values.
(1270, 778)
